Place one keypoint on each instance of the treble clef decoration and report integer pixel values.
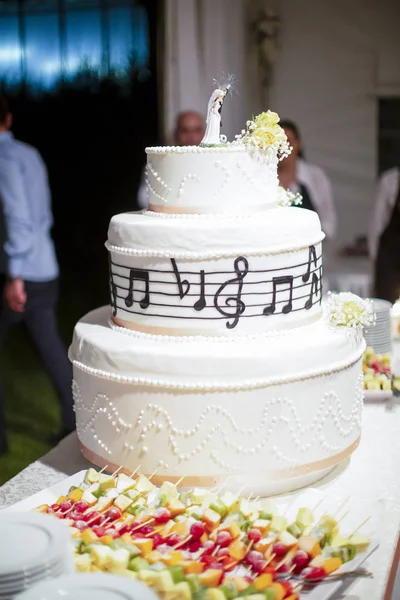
(241, 266)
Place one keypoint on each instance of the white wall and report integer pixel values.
(336, 57)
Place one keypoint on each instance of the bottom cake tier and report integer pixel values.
(272, 413)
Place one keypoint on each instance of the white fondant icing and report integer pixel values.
(212, 181)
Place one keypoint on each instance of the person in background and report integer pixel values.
(189, 131)
(308, 180)
(30, 269)
(384, 236)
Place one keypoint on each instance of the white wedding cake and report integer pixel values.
(215, 362)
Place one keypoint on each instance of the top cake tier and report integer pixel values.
(224, 179)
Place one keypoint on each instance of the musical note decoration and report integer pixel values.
(277, 281)
(228, 299)
(113, 288)
(138, 275)
(234, 302)
(183, 284)
(201, 302)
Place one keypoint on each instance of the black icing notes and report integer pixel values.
(234, 302)
(229, 295)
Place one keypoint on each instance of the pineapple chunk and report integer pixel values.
(241, 583)
(106, 481)
(102, 504)
(89, 498)
(175, 557)
(360, 541)
(286, 538)
(164, 582)
(280, 591)
(83, 563)
(181, 591)
(211, 577)
(263, 581)
(143, 485)
(75, 495)
(91, 476)
(262, 525)
(278, 523)
(122, 502)
(154, 556)
(215, 594)
(89, 536)
(211, 519)
(124, 483)
(106, 539)
(61, 499)
(100, 555)
(182, 529)
(329, 564)
(237, 550)
(148, 577)
(176, 507)
(233, 529)
(42, 508)
(145, 545)
(118, 560)
(192, 567)
(309, 545)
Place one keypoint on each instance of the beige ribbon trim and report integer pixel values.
(213, 480)
(178, 210)
(153, 329)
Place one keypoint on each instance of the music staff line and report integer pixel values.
(212, 305)
(184, 273)
(196, 295)
(242, 316)
(198, 283)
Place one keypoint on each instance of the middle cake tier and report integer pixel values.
(218, 275)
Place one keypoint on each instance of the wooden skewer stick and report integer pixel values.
(156, 530)
(271, 558)
(117, 471)
(216, 549)
(249, 498)
(142, 525)
(292, 568)
(152, 475)
(241, 490)
(218, 491)
(180, 480)
(343, 516)
(135, 471)
(341, 506)
(103, 469)
(318, 504)
(182, 543)
(359, 527)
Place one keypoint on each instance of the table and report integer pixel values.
(371, 476)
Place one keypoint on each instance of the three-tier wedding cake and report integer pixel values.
(216, 362)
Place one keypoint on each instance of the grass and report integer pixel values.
(32, 409)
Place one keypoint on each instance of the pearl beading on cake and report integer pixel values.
(229, 147)
(221, 386)
(226, 176)
(209, 216)
(185, 179)
(330, 407)
(151, 253)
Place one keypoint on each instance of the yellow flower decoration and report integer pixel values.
(264, 132)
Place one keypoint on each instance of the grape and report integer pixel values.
(259, 566)
(157, 540)
(254, 535)
(208, 547)
(224, 538)
(124, 529)
(197, 530)
(65, 505)
(81, 525)
(279, 549)
(173, 539)
(194, 546)
(283, 569)
(313, 573)
(99, 531)
(147, 529)
(253, 556)
(55, 507)
(113, 532)
(94, 517)
(162, 515)
(113, 513)
(81, 506)
(300, 559)
(223, 552)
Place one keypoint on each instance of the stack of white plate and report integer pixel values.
(33, 547)
(380, 335)
(90, 586)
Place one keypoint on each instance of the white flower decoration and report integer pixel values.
(288, 198)
(348, 310)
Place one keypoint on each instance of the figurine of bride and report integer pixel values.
(213, 129)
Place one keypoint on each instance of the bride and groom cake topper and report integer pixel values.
(213, 135)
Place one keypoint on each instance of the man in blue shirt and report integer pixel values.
(29, 263)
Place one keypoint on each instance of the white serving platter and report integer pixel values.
(315, 499)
